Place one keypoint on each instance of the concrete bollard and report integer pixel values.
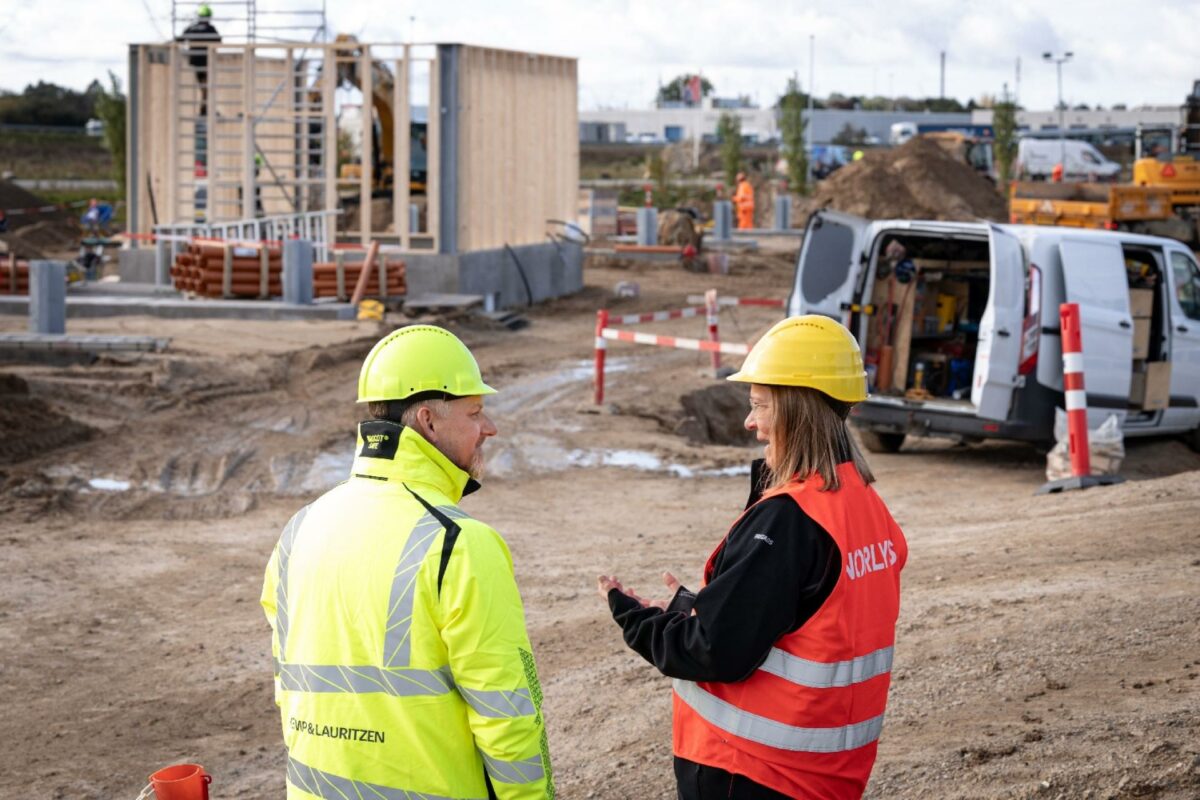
(47, 297)
(647, 226)
(164, 254)
(783, 212)
(297, 271)
(722, 220)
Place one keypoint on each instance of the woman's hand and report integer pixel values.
(606, 583)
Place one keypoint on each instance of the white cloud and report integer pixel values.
(1124, 52)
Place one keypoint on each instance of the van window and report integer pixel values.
(827, 263)
(1089, 158)
(1187, 284)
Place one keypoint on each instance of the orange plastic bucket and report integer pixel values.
(181, 782)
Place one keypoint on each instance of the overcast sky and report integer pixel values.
(1143, 52)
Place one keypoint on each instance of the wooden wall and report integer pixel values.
(518, 159)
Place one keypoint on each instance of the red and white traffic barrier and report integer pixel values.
(711, 309)
(725, 302)
(1074, 394)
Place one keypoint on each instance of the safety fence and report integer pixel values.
(605, 332)
(51, 208)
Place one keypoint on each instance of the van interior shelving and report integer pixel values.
(926, 296)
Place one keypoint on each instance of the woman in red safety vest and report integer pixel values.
(782, 660)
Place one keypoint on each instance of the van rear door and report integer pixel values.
(998, 354)
(829, 265)
(1094, 277)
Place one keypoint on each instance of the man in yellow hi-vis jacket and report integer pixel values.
(402, 664)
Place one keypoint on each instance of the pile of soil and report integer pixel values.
(918, 180)
(42, 235)
(677, 228)
(29, 427)
(715, 415)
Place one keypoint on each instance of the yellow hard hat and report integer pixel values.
(419, 358)
(812, 351)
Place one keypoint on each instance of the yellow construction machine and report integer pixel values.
(382, 83)
(1163, 198)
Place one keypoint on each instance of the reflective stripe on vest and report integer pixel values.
(499, 704)
(528, 770)
(822, 675)
(335, 787)
(400, 605)
(285, 552)
(364, 680)
(734, 720)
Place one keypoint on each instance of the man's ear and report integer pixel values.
(424, 420)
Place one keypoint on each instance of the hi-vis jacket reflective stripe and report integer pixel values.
(402, 664)
(807, 722)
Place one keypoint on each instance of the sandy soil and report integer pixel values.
(1048, 646)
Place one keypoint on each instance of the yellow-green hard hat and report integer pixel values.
(419, 358)
(812, 351)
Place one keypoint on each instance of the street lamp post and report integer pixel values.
(1058, 61)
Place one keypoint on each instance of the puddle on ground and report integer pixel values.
(109, 485)
(532, 392)
(524, 454)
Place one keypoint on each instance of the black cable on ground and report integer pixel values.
(521, 272)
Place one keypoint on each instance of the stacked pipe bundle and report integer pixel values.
(338, 278)
(229, 269)
(14, 276)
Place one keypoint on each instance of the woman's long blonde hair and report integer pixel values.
(811, 437)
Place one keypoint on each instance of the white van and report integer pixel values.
(901, 132)
(1037, 158)
(959, 325)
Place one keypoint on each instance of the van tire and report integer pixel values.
(880, 442)
(1192, 438)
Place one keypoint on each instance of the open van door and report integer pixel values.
(829, 265)
(1094, 277)
(998, 355)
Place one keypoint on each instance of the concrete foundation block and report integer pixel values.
(47, 297)
(297, 271)
(647, 226)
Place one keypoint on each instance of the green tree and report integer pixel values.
(729, 133)
(110, 109)
(1004, 127)
(673, 91)
(792, 125)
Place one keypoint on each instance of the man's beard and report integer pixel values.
(476, 468)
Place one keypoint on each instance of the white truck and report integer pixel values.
(959, 325)
(1081, 161)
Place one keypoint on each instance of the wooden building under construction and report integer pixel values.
(261, 140)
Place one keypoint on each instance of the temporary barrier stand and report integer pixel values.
(710, 310)
(1075, 399)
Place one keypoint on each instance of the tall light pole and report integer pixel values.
(1058, 61)
(808, 162)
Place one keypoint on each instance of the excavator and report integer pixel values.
(382, 83)
(1163, 197)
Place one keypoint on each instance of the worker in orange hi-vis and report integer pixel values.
(743, 201)
(1056, 174)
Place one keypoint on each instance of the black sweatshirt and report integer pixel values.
(774, 570)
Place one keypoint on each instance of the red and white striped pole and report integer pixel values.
(711, 310)
(1075, 395)
(601, 348)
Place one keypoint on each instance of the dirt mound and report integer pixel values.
(676, 228)
(41, 235)
(29, 427)
(715, 415)
(918, 180)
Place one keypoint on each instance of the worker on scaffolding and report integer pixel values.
(402, 664)
(197, 36)
(743, 201)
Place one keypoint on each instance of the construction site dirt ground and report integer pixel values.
(1047, 646)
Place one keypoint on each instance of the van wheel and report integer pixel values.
(1192, 438)
(879, 442)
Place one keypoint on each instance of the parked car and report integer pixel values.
(959, 327)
